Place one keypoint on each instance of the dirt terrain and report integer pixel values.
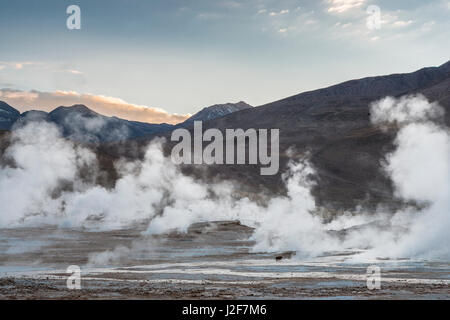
(211, 261)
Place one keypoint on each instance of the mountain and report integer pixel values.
(32, 115)
(370, 88)
(8, 115)
(215, 111)
(80, 123)
(333, 125)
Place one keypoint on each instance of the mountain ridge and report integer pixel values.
(216, 111)
(83, 124)
(332, 125)
(398, 83)
(336, 131)
(8, 115)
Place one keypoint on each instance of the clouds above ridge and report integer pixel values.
(181, 55)
(108, 106)
(344, 5)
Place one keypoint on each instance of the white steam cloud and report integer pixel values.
(40, 162)
(420, 170)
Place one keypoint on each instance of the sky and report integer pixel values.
(162, 60)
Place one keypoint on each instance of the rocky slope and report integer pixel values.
(333, 125)
(215, 111)
(8, 115)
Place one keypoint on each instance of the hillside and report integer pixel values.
(333, 124)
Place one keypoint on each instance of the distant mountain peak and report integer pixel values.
(217, 111)
(239, 105)
(6, 108)
(79, 108)
(445, 66)
(8, 115)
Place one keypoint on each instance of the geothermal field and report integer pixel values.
(159, 233)
(211, 261)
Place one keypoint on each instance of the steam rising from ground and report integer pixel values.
(40, 183)
(420, 170)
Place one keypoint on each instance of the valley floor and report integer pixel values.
(211, 261)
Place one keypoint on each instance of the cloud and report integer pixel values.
(72, 71)
(402, 23)
(18, 65)
(344, 5)
(427, 26)
(288, 22)
(281, 12)
(231, 4)
(109, 106)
